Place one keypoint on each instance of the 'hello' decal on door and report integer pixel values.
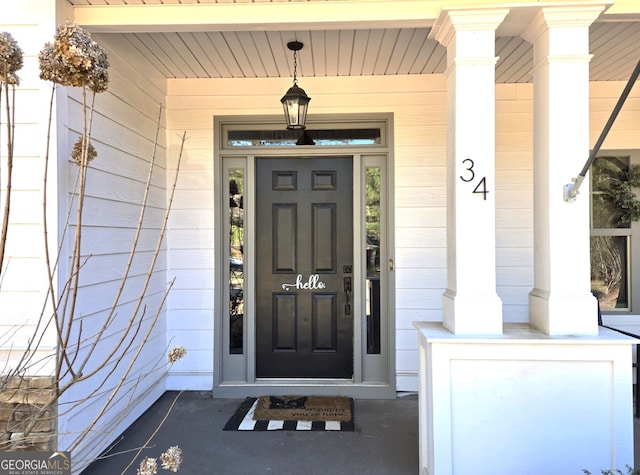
(313, 283)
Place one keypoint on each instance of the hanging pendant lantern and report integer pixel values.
(295, 102)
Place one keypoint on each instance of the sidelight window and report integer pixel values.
(236, 260)
(372, 244)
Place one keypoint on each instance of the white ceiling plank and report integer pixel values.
(237, 53)
(332, 51)
(245, 48)
(215, 59)
(189, 59)
(600, 35)
(318, 54)
(169, 45)
(196, 43)
(516, 60)
(263, 46)
(344, 56)
(280, 52)
(371, 53)
(359, 48)
(211, 59)
(401, 47)
(431, 57)
(386, 51)
(437, 63)
(610, 62)
(143, 46)
(418, 37)
(225, 54)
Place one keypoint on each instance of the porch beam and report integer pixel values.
(561, 302)
(288, 16)
(285, 16)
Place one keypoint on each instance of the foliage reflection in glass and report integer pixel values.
(372, 230)
(613, 207)
(236, 260)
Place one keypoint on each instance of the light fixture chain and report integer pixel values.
(295, 67)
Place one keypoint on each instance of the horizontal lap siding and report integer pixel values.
(624, 134)
(514, 199)
(418, 104)
(125, 124)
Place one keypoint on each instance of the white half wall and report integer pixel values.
(524, 403)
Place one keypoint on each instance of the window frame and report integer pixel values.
(633, 239)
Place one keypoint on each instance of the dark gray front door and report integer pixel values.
(304, 236)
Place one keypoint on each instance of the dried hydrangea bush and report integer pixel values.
(172, 458)
(74, 59)
(148, 466)
(176, 353)
(11, 59)
(77, 152)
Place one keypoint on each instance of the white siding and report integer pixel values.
(23, 280)
(514, 199)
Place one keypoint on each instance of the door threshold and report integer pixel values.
(305, 388)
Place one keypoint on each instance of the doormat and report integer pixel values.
(314, 413)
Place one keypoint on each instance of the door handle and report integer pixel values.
(347, 291)
(347, 285)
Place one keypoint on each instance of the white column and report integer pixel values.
(561, 302)
(470, 303)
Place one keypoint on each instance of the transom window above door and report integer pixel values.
(316, 134)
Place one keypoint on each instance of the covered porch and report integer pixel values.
(494, 109)
(386, 440)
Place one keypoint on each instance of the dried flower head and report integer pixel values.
(148, 466)
(176, 353)
(74, 59)
(172, 459)
(77, 151)
(11, 57)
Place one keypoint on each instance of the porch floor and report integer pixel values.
(385, 441)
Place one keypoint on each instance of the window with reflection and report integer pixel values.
(236, 261)
(372, 233)
(318, 137)
(611, 231)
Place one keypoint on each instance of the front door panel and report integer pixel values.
(304, 246)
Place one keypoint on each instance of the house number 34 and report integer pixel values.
(470, 176)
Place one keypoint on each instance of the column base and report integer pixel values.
(567, 315)
(471, 315)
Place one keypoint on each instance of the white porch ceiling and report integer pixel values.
(224, 53)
